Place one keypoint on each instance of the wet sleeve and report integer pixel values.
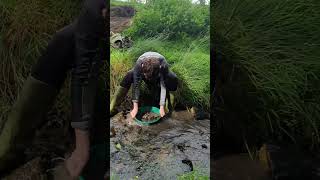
(162, 92)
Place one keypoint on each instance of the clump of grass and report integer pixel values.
(120, 65)
(194, 175)
(25, 29)
(277, 45)
(114, 177)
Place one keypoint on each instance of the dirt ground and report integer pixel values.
(176, 145)
(120, 18)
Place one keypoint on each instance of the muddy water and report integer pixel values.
(176, 145)
(239, 167)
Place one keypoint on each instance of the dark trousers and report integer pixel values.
(81, 48)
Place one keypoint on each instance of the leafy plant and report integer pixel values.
(176, 19)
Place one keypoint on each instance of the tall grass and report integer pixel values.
(25, 29)
(276, 45)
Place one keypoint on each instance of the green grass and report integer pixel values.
(114, 177)
(137, 6)
(276, 46)
(193, 175)
(25, 29)
(190, 61)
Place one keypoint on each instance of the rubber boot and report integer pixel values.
(95, 167)
(117, 100)
(27, 113)
(170, 103)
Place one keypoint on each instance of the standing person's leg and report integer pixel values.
(90, 38)
(153, 95)
(36, 97)
(171, 83)
(95, 168)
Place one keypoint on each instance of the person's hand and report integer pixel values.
(80, 156)
(162, 112)
(134, 111)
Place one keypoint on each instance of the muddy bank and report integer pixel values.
(176, 145)
(120, 18)
(122, 11)
(240, 167)
(271, 162)
(52, 143)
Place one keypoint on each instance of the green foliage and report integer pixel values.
(176, 19)
(276, 44)
(179, 31)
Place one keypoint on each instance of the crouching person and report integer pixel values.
(151, 68)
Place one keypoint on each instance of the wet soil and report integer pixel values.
(31, 170)
(176, 145)
(149, 116)
(52, 143)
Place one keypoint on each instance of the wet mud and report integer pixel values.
(176, 145)
(240, 167)
(149, 116)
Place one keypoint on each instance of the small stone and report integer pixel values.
(118, 146)
(204, 146)
(112, 132)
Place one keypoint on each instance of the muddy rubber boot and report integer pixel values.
(95, 167)
(117, 100)
(170, 103)
(61, 172)
(33, 102)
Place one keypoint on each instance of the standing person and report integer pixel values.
(79, 47)
(152, 68)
